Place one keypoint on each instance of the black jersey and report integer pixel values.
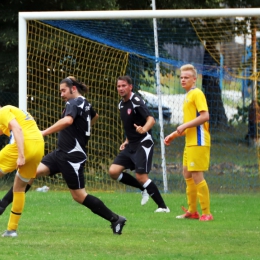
(133, 111)
(75, 137)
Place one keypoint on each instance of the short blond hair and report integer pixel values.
(189, 67)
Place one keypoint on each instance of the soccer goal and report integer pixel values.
(98, 46)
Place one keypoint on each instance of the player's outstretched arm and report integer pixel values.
(169, 138)
(58, 126)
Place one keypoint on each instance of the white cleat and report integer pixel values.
(159, 210)
(10, 233)
(145, 197)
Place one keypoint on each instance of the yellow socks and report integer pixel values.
(16, 211)
(203, 194)
(191, 192)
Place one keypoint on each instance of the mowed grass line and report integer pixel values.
(53, 226)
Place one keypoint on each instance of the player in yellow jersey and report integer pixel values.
(23, 153)
(196, 154)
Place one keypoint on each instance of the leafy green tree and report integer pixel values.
(9, 10)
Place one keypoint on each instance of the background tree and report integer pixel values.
(9, 10)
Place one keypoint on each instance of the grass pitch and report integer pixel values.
(53, 226)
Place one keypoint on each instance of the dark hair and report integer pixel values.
(125, 78)
(72, 81)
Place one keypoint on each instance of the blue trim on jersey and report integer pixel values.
(199, 142)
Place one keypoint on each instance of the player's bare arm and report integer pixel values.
(58, 126)
(94, 119)
(18, 136)
(169, 138)
(148, 125)
(202, 118)
(123, 145)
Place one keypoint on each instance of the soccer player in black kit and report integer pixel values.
(137, 149)
(69, 158)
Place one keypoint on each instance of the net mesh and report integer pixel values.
(224, 51)
(54, 54)
(235, 39)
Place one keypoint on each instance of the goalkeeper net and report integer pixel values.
(224, 51)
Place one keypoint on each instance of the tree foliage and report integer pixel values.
(9, 10)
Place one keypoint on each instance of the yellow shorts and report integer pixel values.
(196, 158)
(33, 152)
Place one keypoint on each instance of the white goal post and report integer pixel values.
(92, 15)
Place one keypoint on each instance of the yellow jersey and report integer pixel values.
(194, 103)
(24, 119)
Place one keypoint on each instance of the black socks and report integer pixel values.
(129, 180)
(99, 208)
(154, 193)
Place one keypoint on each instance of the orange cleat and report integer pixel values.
(206, 217)
(188, 215)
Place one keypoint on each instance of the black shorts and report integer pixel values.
(71, 168)
(136, 157)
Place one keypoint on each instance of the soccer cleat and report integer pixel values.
(10, 233)
(159, 210)
(206, 217)
(145, 197)
(117, 226)
(188, 215)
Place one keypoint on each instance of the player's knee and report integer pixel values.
(78, 199)
(113, 173)
(142, 178)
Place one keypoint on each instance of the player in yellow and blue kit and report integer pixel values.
(23, 153)
(196, 154)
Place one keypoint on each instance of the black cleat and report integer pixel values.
(117, 226)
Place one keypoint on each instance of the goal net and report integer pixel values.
(225, 51)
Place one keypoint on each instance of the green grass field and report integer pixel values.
(53, 226)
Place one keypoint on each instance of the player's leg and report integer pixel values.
(17, 206)
(73, 174)
(191, 192)
(143, 163)
(8, 197)
(116, 172)
(203, 195)
(8, 158)
(42, 170)
(99, 208)
(123, 161)
(33, 151)
(153, 191)
(200, 158)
